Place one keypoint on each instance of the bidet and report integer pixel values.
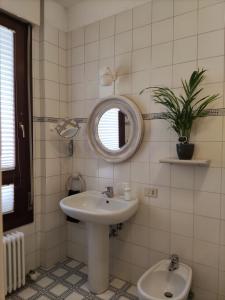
(159, 283)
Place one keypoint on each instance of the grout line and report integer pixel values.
(170, 133)
(195, 169)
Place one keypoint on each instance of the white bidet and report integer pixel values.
(159, 283)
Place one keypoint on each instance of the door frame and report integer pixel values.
(2, 293)
(2, 277)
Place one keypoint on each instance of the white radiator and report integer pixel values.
(14, 261)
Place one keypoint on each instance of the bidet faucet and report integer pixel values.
(174, 262)
(109, 192)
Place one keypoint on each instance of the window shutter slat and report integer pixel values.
(7, 105)
(108, 129)
(7, 198)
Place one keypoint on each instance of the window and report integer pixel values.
(15, 112)
(108, 129)
(112, 129)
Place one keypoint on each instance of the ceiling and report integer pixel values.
(68, 3)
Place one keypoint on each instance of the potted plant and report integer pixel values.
(183, 110)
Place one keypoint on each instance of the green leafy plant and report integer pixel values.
(183, 110)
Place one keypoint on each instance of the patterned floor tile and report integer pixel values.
(74, 296)
(59, 272)
(106, 295)
(133, 290)
(73, 279)
(73, 264)
(68, 280)
(84, 270)
(58, 289)
(44, 282)
(117, 283)
(85, 287)
(27, 293)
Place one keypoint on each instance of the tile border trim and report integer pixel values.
(217, 112)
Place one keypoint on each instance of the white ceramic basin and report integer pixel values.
(158, 282)
(92, 206)
(98, 212)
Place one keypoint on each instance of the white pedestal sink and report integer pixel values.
(98, 212)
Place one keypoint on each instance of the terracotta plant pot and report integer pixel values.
(185, 151)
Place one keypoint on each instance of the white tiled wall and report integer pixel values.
(54, 156)
(157, 44)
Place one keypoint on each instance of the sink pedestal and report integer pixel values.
(98, 257)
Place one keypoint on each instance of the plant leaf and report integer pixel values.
(181, 111)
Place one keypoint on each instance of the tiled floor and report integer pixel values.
(68, 280)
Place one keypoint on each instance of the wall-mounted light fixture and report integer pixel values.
(107, 76)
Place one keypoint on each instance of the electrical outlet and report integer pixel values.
(151, 192)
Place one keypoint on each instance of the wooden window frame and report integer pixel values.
(21, 177)
(122, 129)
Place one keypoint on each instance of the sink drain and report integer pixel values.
(168, 295)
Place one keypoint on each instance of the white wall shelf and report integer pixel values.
(191, 162)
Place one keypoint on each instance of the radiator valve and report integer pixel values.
(33, 275)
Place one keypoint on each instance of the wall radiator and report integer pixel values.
(14, 261)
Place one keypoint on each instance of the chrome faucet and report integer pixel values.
(174, 262)
(109, 192)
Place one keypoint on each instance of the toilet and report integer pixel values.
(159, 283)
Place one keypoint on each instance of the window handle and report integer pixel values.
(23, 130)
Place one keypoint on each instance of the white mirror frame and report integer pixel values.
(136, 132)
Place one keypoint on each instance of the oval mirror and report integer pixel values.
(115, 129)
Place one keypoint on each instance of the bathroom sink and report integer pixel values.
(92, 206)
(98, 211)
